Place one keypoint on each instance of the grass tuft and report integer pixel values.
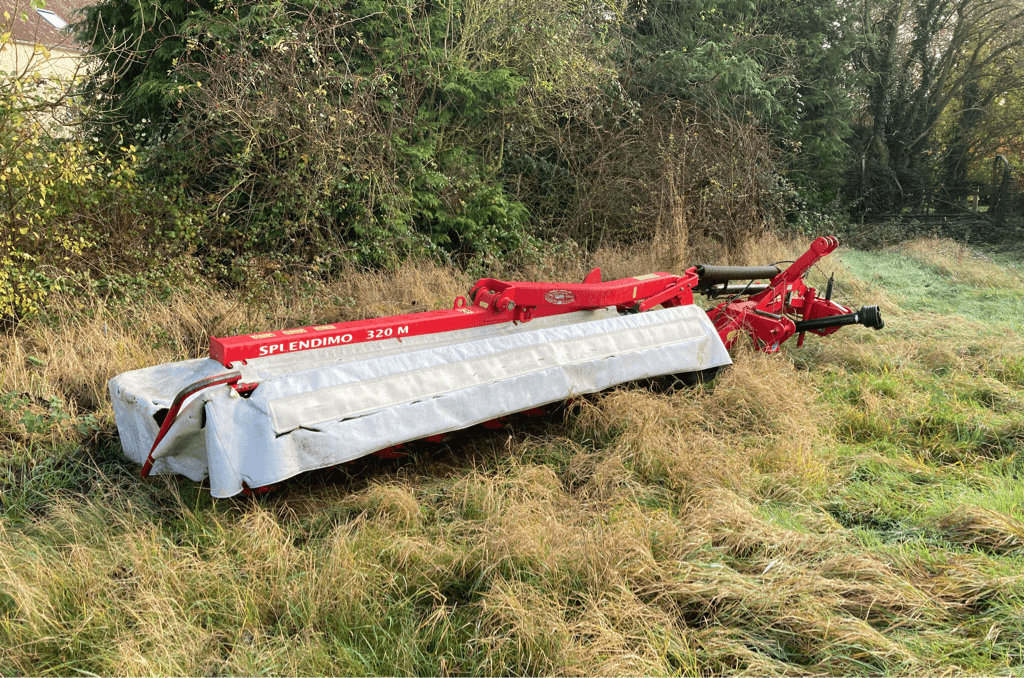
(984, 528)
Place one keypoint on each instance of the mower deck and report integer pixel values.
(323, 407)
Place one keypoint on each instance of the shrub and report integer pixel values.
(365, 131)
(36, 172)
(64, 201)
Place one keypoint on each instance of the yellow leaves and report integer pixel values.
(42, 180)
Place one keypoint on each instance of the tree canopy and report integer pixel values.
(925, 63)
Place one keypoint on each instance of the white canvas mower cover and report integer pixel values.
(265, 407)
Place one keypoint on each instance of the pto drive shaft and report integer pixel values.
(868, 316)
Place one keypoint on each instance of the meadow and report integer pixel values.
(850, 507)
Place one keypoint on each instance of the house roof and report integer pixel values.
(38, 29)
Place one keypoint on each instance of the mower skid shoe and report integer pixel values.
(329, 406)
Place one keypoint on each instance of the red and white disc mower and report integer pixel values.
(264, 407)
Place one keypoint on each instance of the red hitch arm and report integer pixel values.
(765, 314)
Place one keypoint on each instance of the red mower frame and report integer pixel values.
(770, 313)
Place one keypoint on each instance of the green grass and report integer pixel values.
(851, 507)
(924, 288)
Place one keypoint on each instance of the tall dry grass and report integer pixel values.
(844, 509)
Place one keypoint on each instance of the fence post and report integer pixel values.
(1000, 188)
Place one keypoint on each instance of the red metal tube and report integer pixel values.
(172, 412)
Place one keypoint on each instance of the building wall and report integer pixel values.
(56, 71)
(19, 57)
